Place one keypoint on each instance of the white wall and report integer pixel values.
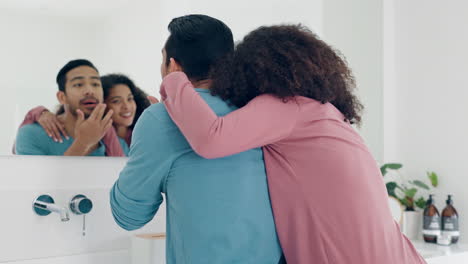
(25, 235)
(114, 257)
(133, 38)
(64, 8)
(355, 29)
(390, 122)
(429, 95)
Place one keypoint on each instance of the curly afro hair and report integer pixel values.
(286, 61)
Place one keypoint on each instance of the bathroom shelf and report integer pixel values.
(435, 254)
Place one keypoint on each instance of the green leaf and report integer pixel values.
(433, 178)
(421, 203)
(393, 166)
(391, 188)
(411, 192)
(420, 184)
(383, 170)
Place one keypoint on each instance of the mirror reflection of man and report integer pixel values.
(84, 117)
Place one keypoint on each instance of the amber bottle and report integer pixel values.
(450, 221)
(431, 222)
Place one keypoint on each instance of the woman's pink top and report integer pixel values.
(328, 197)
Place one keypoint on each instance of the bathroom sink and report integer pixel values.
(430, 251)
(427, 254)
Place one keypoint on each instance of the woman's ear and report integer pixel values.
(174, 66)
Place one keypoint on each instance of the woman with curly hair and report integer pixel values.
(127, 102)
(121, 95)
(296, 100)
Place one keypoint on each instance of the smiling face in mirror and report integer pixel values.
(122, 102)
(127, 102)
(82, 90)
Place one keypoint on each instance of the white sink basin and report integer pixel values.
(429, 250)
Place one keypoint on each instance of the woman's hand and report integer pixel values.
(52, 126)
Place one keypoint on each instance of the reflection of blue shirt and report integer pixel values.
(218, 210)
(33, 140)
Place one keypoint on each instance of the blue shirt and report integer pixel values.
(218, 210)
(33, 140)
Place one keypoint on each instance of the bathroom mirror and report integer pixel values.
(123, 36)
(40, 37)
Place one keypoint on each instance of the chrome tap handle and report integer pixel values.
(81, 204)
(40, 204)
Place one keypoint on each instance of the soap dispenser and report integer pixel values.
(450, 227)
(431, 221)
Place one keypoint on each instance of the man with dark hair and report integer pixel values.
(218, 211)
(84, 118)
(197, 49)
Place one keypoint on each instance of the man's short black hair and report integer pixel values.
(62, 75)
(196, 42)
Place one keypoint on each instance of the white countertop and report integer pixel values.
(433, 252)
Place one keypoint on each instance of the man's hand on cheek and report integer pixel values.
(90, 131)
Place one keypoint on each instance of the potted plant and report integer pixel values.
(408, 193)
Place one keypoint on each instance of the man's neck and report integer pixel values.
(202, 84)
(69, 121)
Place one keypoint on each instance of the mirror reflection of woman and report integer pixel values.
(121, 95)
(126, 100)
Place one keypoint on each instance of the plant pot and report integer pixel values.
(412, 224)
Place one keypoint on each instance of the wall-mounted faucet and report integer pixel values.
(44, 205)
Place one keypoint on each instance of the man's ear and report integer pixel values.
(61, 97)
(174, 66)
